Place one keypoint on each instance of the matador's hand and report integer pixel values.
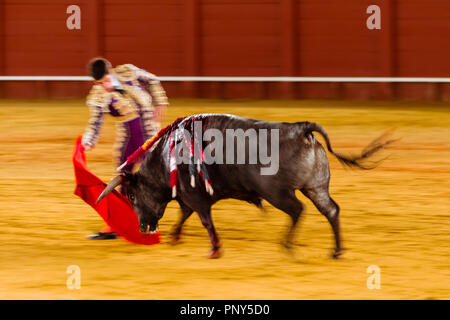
(87, 146)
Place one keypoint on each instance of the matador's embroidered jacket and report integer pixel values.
(137, 91)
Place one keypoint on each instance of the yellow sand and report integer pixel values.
(395, 217)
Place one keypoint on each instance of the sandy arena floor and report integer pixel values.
(395, 217)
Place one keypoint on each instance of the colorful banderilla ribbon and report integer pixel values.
(201, 167)
(148, 144)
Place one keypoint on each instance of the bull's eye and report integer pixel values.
(131, 197)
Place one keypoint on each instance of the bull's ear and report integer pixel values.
(111, 185)
(128, 177)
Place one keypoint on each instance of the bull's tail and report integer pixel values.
(353, 160)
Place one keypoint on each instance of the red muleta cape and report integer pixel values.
(115, 208)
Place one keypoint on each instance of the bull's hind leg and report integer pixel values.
(287, 201)
(326, 205)
(186, 212)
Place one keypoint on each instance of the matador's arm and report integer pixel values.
(97, 102)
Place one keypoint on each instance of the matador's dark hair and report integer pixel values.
(98, 67)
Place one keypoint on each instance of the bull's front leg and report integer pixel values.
(205, 217)
(186, 212)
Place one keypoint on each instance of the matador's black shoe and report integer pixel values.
(103, 236)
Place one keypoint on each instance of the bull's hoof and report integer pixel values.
(289, 251)
(287, 245)
(174, 240)
(336, 255)
(215, 253)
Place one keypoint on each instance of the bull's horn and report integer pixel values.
(110, 187)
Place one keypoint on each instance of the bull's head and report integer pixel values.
(147, 199)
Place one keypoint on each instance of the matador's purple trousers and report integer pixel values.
(130, 138)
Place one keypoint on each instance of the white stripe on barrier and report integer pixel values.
(45, 78)
(242, 79)
(305, 79)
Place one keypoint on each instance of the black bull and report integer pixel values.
(303, 165)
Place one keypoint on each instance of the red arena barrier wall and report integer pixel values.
(231, 38)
